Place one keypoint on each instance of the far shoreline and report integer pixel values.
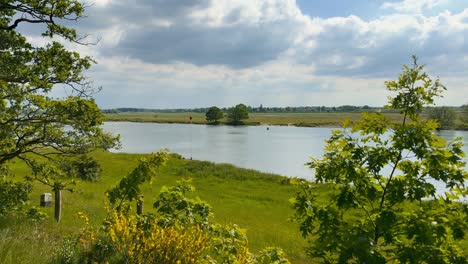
(316, 119)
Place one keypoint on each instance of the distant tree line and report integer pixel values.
(259, 109)
(449, 117)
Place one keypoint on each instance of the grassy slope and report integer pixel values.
(255, 201)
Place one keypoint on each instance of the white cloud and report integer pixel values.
(413, 6)
(102, 3)
(228, 12)
(200, 52)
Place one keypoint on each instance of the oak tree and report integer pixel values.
(214, 114)
(385, 206)
(34, 126)
(238, 113)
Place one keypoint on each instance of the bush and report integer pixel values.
(84, 167)
(446, 116)
(13, 196)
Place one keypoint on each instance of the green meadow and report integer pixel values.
(257, 202)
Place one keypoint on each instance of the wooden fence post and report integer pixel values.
(58, 204)
(140, 204)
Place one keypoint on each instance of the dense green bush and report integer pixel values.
(13, 196)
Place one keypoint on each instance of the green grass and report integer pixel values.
(292, 119)
(255, 201)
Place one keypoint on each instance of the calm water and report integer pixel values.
(276, 149)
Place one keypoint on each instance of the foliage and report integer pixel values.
(142, 239)
(174, 207)
(66, 252)
(464, 116)
(156, 244)
(134, 239)
(446, 116)
(36, 215)
(272, 255)
(257, 201)
(129, 187)
(13, 195)
(214, 114)
(238, 113)
(84, 167)
(179, 232)
(385, 206)
(33, 124)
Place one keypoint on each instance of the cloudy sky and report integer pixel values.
(198, 53)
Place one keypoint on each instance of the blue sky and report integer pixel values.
(198, 53)
(334, 8)
(366, 9)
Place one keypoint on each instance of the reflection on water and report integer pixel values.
(280, 149)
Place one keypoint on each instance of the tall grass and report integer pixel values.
(255, 201)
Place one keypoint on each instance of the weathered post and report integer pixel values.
(140, 204)
(58, 204)
(46, 200)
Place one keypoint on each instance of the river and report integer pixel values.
(276, 149)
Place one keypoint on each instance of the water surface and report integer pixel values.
(276, 149)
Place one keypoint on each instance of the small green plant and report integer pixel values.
(66, 252)
(13, 196)
(35, 214)
(272, 255)
(175, 207)
(129, 187)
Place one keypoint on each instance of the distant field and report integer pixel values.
(292, 119)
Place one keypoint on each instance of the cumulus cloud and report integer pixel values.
(412, 6)
(168, 53)
(238, 34)
(352, 46)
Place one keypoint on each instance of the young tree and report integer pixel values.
(32, 123)
(385, 206)
(214, 114)
(238, 113)
(444, 115)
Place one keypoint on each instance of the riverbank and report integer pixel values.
(257, 202)
(276, 119)
(270, 119)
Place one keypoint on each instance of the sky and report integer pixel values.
(200, 53)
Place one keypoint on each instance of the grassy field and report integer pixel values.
(292, 119)
(255, 201)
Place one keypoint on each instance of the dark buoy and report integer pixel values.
(268, 128)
